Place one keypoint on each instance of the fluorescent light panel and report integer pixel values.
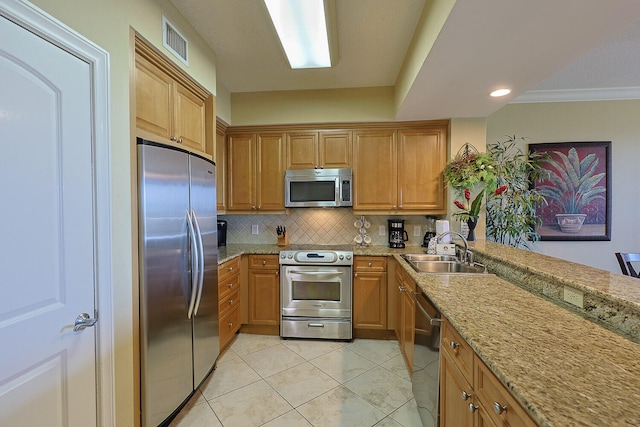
(302, 28)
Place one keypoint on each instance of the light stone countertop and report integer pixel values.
(563, 367)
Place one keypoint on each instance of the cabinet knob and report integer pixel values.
(264, 262)
(174, 138)
(370, 264)
(355, 275)
(230, 269)
(454, 345)
(465, 395)
(395, 207)
(230, 302)
(230, 324)
(230, 285)
(253, 207)
(401, 288)
(472, 408)
(277, 273)
(499, 408)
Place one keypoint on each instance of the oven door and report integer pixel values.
(316, 291)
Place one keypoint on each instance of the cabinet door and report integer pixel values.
(454, 410)
(241, 172)
(154, 94)
(399, 293)
(375, 170)
(334, 149)
(189, 118)
(302, 150)
(270, 172)
(408, 327)
(264, 297)
(221, 171)
(421, 160)
(370, 300)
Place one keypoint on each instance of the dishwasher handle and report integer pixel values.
(432, 321)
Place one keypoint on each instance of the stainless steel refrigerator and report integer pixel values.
(179, 330)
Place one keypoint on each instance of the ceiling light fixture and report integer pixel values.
(305, 30)
(500, 92)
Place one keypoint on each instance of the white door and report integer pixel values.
(47, 371)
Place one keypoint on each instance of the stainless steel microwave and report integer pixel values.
(313, 188)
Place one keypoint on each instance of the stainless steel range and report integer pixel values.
(316, 293)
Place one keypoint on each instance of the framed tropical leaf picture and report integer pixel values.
(577, 191)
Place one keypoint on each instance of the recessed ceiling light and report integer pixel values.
(302, 29)
(500, 92)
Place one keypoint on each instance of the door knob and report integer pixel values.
(82, 321)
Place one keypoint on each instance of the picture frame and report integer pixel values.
(577, 192)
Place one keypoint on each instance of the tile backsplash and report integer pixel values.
(317, 226)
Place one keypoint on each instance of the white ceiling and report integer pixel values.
(545, 50)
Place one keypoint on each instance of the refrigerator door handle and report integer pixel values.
(194, 265)
(201, 262)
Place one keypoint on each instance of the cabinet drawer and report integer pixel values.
(228, 268)
(229, 301)
(378, 263)
(229, 325)
(458, 349)
(228, 285)
(263, 261)
(499, 404)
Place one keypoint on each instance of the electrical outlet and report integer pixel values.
(417, 231)
(381, 230)
(574, 296)
(254, 229)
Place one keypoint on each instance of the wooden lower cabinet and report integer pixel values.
(470, 394)
(229, 300)
(405, 316)
(264, 290)
(370, 293)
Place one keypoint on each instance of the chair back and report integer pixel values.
(625, 259)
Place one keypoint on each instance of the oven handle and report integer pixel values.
(316, 273)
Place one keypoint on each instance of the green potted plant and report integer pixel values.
(470, 172)
(511, 211)
(575, 185)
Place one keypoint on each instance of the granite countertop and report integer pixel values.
(565, 366)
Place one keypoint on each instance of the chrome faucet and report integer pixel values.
(466, 254)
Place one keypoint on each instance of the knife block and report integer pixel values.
(283, 240)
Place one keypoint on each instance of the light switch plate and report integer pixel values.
(573, 296)
(381, 230)
(417, 231)
(254, 229)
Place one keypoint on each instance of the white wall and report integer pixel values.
(615, 121)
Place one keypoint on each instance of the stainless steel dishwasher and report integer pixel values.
(425, 381)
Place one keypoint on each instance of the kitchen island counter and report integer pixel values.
(565, 369)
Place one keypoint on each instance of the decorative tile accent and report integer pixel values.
(316, 226)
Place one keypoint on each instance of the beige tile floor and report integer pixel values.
(266, 381)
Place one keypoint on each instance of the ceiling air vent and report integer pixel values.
(175, 42)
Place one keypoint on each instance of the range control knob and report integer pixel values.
(283, 255)
(341, 257)
(348, 256)
(290, 256)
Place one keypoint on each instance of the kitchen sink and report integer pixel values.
(441, 264)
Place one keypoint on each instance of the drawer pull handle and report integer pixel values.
(454, 345)
(465, 395)
(472, 408)
(498, 408)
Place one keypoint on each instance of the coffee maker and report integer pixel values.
(397, 234)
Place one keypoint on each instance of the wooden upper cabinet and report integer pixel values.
(154, 108)
(375, 171)
(241, 171)
(422, 155)
(221, 169)
(318, 150)
(270, 172)
(169, 105)
(255, 165)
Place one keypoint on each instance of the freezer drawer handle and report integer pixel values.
(315, 325)
(83, 321)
